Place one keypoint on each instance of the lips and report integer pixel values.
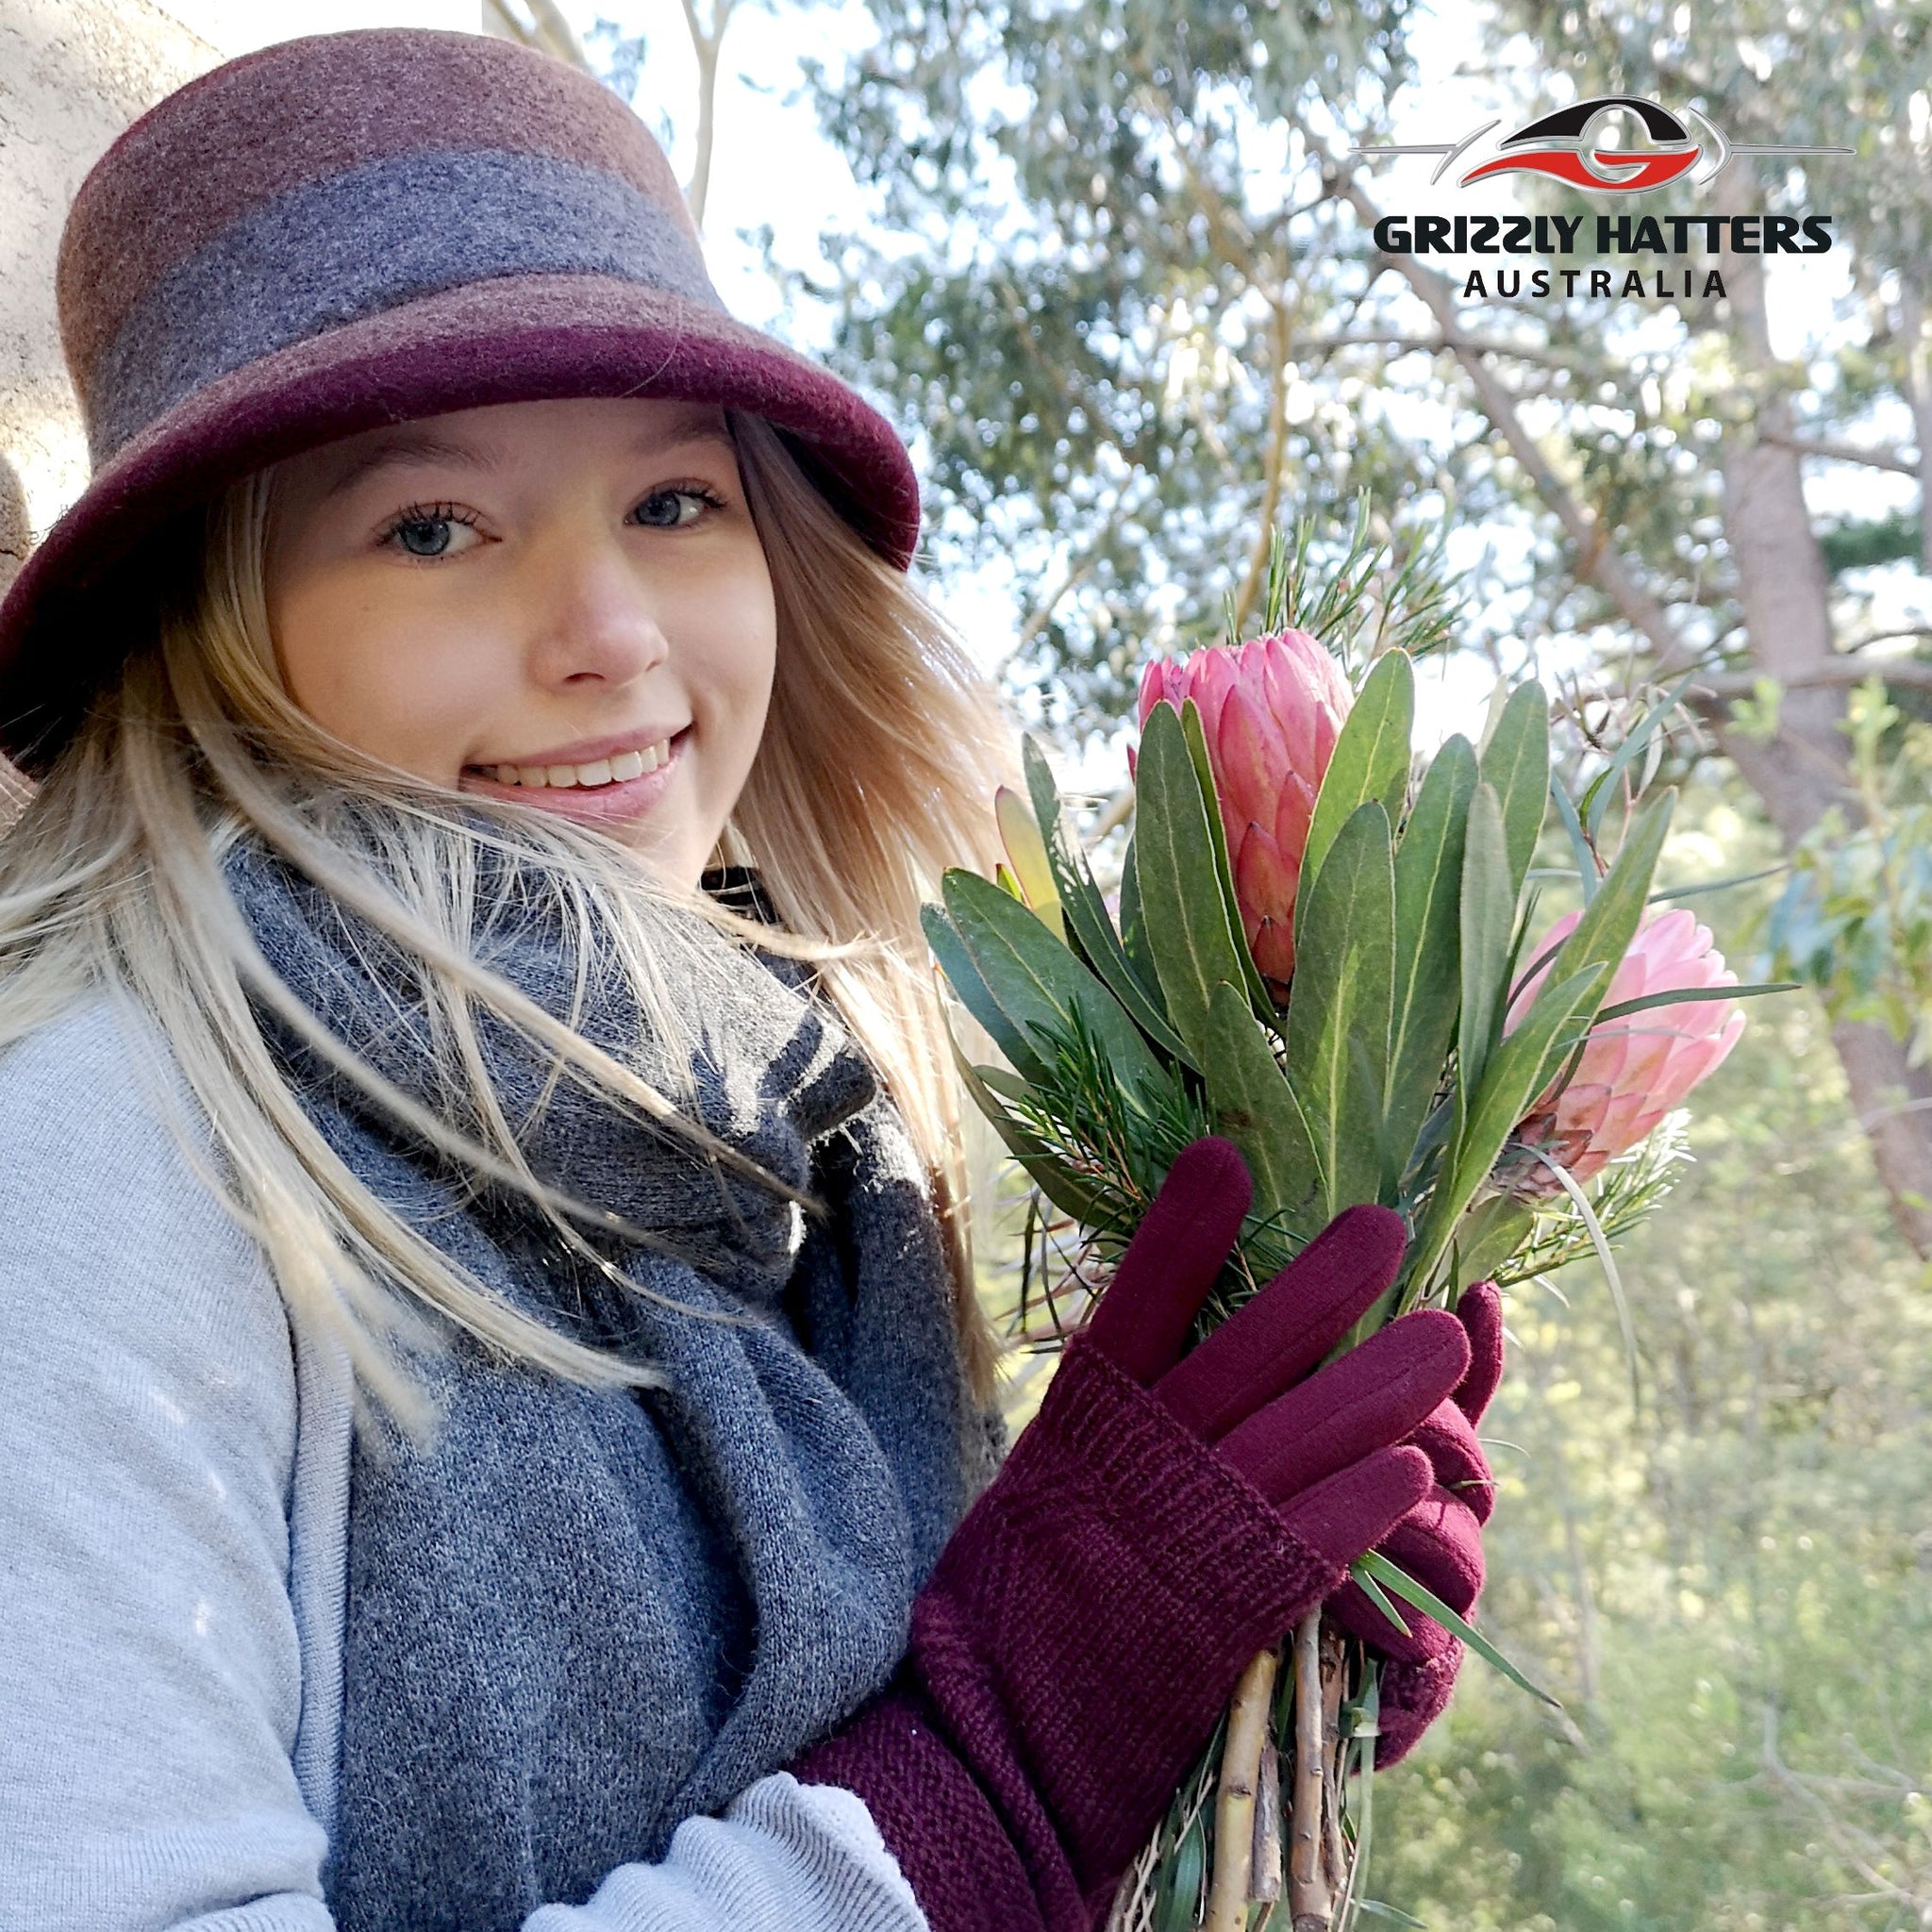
(623, 798)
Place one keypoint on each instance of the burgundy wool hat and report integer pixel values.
(357, 228)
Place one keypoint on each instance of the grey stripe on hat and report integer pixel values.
(371, 238)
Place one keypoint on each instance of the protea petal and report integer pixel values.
(1212, 675)
(1265, 877)
(1634, 1069)
(1248, 768)
(1271, 709)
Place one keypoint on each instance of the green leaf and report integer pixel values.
(1187, 919)
(1338, 1019)
(1134, 926)
(976, 996)
(1369, 761)
(1394, 1914)
(1007, 1086)
(1609, 922)
(1379, 1597)
(1525, 1063)
(1055, 1179)
(1193, 731)
(1085, 909)
(1038, 983)
(1519, 1070)
(1516, 761)
(1399, 1582)
(1608, 1263)
(1487, 915)
(1190, 1865)
(1598, 796)
(1678, 995)
(1587, 874)
(1428, 887)
(1490, 1232)
(1365, 1731)
(1253, 1106)
(1736, 879)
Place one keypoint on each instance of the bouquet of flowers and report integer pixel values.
(1323, 954)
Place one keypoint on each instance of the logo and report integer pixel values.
(1571, 145)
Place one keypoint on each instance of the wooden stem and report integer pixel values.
(1264, 1883)
(1310, 1902)
(1333, 1675)
(1234, 1814)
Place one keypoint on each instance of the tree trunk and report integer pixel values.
(1785, 593)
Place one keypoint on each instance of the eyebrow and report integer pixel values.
(427, 446)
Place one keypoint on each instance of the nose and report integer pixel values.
(593, 617)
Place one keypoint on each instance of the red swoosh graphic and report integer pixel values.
(1653, 171)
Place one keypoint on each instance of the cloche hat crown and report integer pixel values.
(357, 228)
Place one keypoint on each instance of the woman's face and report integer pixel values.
(563, 603)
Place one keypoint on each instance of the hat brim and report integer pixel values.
(68, 618)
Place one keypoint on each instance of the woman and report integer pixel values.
(492, 1388)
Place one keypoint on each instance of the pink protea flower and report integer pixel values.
(1635, 1070)
(1271, 709)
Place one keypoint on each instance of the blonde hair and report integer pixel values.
(876, 770)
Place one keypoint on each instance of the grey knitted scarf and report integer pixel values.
(577, 1618)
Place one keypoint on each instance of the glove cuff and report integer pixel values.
(1091, 1618)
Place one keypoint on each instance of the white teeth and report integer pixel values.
(629, 764)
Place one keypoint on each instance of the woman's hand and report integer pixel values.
(1439, 1542)
(1160, 1521)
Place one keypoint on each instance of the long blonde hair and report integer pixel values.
(883, 747)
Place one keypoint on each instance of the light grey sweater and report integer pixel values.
(173, 1527)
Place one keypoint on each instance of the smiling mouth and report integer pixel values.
(594, 777)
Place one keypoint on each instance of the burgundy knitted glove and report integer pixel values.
(1153, 1529)
(1439, 1543)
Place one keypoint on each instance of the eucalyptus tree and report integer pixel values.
(1098, 237)
(1126, 291)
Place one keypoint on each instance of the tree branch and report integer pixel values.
(1713, 688)
(1275, 460)
(705, 44)
(1597, 559)
(1395, 338)
(1834, 451)
(546, 29)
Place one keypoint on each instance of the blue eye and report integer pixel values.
(690, 493)
(433, 533)
(423, 529)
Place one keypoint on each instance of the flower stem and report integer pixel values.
(1310, 1902)
(1234, 1815)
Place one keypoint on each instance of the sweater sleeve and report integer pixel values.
(151, 1666)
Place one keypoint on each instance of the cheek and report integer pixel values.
(396, 684)
(739, 628)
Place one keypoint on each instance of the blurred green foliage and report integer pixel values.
(1730, 1585)
(1855, 918)
(1731, 1589)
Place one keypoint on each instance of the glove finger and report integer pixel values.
(1479, 1309)
(1356, 1508)
(1177, 1252)
(1356, 1612)
(1448, 1438)
(1274, 1340)
(1413, 1697)
(1439, 1543)
(1371, 1398)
